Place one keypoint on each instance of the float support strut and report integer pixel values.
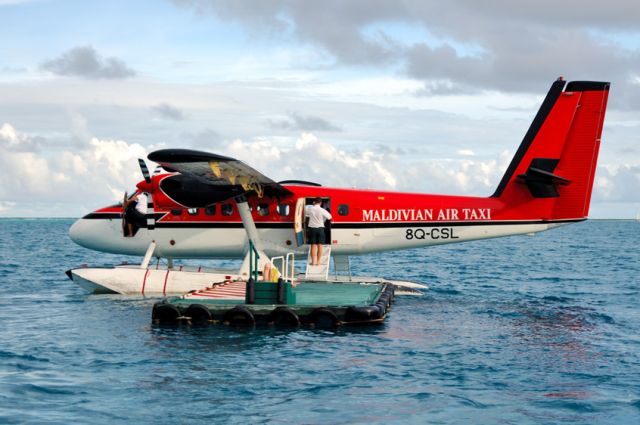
(148, 255)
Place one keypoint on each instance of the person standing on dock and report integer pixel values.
(317, 216)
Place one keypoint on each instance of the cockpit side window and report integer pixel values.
(226, 209)
(263, 209)
(283, 209)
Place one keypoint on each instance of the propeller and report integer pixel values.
(145, 170)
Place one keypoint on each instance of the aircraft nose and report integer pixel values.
(78, 230)
(105, 234)
(94, 233)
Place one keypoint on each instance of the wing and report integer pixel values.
(213, 177)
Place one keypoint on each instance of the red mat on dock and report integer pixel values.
(224, 291)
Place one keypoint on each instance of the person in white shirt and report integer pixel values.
(141, 203)
(317, 216)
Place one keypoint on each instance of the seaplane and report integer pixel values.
(207, 206)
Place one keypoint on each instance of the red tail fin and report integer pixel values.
(551, 175)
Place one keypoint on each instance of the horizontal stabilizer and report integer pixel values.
(540, 180)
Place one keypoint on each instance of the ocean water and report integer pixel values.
(519, 330)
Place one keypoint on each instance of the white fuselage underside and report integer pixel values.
(225, 242)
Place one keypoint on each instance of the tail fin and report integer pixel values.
(551, 175)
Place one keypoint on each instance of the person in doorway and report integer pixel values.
(317, 216)
(136, 213)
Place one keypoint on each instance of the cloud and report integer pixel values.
(85, 62)
(207, 139)
(12, 70)
(335, 26)
(17, 142)
(617, 183)
(459, 46)
(99, 172)
(95, 174)
(6, 206)
(79, 129)
(14, 2)
(299, 122)
(314, 159)
(9, 135)
(168, 111)
(465, 152)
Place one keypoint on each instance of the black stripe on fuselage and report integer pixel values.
(343, 225)
(218, 225)
(102, 216)
(376, 225)
(111, 216)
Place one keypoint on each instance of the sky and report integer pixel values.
(413, 95)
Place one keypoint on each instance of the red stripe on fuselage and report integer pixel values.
(364, 206)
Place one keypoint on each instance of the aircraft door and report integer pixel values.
(135, 217)
(298, 225)
(300, 222)
(326, 204)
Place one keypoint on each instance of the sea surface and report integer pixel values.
(518, 330)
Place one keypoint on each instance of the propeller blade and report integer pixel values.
(145, 170)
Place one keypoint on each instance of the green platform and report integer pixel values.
(307, 294)
(336, 294)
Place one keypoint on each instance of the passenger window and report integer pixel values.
(192, 211)
(283, 210)
(176, 211)
(263, 209)
(343, 209)
(210, 210)
(226, 209)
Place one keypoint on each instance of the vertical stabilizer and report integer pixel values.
(551, 176)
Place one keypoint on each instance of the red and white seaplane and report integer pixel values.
(203, 205)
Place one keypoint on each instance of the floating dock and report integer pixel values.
(264, 303)
(269, 298)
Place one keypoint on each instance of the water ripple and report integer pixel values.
(515, 330)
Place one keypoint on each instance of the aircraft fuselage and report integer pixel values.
(363, 222)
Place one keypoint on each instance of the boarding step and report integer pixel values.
(321, 271)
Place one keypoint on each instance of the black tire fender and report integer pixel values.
(362, 314)
(285, 317)
(323, 318)
(165, 314)
(384, 298)
(199, 314)
(391, 290)
(239, 316)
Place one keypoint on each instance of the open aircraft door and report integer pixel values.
(298, 224)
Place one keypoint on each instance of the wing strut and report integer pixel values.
(252, 235)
